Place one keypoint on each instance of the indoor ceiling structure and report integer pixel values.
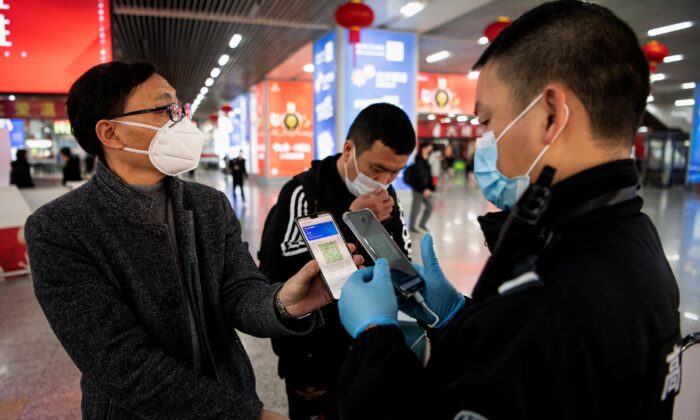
(186, 38)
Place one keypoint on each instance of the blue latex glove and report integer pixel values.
(368, 299)
(439, 294)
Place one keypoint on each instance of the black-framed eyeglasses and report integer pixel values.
(176, 112)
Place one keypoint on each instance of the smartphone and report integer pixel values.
(327, 246)
(379, 244)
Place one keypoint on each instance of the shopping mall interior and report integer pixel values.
(278, 83)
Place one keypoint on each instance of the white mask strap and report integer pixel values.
(142, 152)
(522, 114)
(545, 148)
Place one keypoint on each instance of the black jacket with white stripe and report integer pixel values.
(321, 352)
(596, 338)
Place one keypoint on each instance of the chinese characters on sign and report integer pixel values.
(290, 127)
(324, 96)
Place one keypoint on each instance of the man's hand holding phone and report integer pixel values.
(305, 292)
(379, 201)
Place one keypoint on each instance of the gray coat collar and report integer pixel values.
(128, 200)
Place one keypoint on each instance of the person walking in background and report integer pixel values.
(71, 171)
(20, 174)
(435, 161)
(423, 188)
(239, 174)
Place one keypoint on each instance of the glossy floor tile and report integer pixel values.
(39, 381)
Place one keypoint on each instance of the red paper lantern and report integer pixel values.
(354, 15)
(226, 109)
(655, 52)
(214, 118)
(495, 28)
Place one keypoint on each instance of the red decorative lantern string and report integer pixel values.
(214, 118)
(655, 52)
(226, 109)
(354, 15)
(495, 28)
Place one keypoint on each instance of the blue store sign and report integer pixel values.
(324, 96)
(694, 164)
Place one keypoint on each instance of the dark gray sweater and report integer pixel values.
(106, 278)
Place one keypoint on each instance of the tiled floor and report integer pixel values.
(39, 381)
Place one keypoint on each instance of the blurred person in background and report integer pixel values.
(20, 174)
(238, 173)
(71, 168)
(422, 187)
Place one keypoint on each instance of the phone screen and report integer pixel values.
(328, 247)
(379, 244)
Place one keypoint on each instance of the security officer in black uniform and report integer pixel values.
(576, 313)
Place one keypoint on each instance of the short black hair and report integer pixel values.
(386, 123)
(585, 47)
(66, 151)
(100, 92)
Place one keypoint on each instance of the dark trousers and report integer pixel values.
(237, 183)
(419, 198)
(310, 402)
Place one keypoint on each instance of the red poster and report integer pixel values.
(13, 252)
(446, 94)
(258, 118)
(453, 130)
(46, 44)
(290, 125)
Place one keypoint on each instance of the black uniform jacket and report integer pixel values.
(595, 338)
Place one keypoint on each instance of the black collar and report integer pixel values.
(574, 192)
(131, 202)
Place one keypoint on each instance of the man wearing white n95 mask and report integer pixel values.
(575, 315)
(144, 277)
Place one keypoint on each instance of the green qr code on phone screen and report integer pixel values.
(331, 252)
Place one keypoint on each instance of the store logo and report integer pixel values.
(442, 98)
(291, 119)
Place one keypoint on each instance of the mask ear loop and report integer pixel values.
(512, 123)
(545, 148)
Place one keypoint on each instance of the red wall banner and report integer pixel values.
(46, 44)
(446, 94)
(33, 108)
(291, 129)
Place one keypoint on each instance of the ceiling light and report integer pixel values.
(209, 82)
(431, 117)
(483, 40)
(437, 56)
(475, 121)
(204, 90)
(235, 40)
(658, 76)
(685, 102)
(200, 97)
(215, 72)
(223, 59)
(309, 68)
(673, 58)
(691, 316)
(412, 8)
(473, 75)
(650, 98)
(689, 85)
(462, 118)
(670, 28)
(643, 129)
(12, 97)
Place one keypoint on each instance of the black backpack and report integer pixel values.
(409, 175)
(309, 181)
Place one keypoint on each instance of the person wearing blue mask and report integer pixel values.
(582, 322)
(379, 143)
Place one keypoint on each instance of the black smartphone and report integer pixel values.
(379, 244)
(327, 246)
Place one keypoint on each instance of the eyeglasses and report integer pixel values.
(175, 111)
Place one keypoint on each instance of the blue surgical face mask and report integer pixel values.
(502, 191)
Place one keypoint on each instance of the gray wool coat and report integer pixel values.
(107, 281)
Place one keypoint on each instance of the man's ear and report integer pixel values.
(557, 111)
(347, 149)
(107, 134)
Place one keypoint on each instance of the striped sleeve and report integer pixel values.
(293, 244)
(405, 235)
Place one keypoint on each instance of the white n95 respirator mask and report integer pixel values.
(175, 149)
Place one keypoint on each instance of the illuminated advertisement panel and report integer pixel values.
(381, 68)
(290, 127)
(46, 44)
(446, 94)
(324, 96)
